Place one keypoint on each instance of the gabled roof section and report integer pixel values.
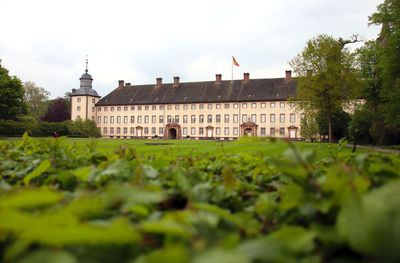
(202, 92)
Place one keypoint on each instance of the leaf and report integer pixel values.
(176, 254)
(38, 171)
(29, 198)
(166, 227)
(228, 178)
(220, 255)
(47, 256)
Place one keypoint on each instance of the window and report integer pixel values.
(112, 130)
(209, 106)
(218, 131)
(218, 106)
(125, 130)
(282, 118)
(282, 104)
(105, 130)
(282, 131)
(244, 105)
(132, 119)
(244, 118)
(254, 105)
(79, 99)
(193, 118)
(146, 119)
(139, 119)
(99, 119)
(169, 119)
(235, 118)
(93, 109)
(176, 118)
(217, 118)
(99, 109)
(262, 131)
(176, 107)
(226, 118)
(111, 108)
(169, 107)
(153, 130)
(118, 108)
(125, 108)
(272, 118)
(226, 131)
(105, 108)
(193, 131)
(272, 105)
(302, 116)
(105, 119)
(161, 119)
(93, 101)
(292, 117)
(139, 107)
(201, 131)
(125, 119)
(185, 118)
(153, 119)
(209, 118)
(272, 132)
(226, 106)
(146, 107)
(235, 106)
(193, 106)
(111, 119)
(118, 130)
(161, 107)
(291, 104)
(92, 118)
(78, 108)
(160, 130)
(132, 130)
(201, 118)
(153, 107)
(263, 105)
(185, 131)
(253, 117)
(235, 131)
(185, 107)
(201, 106)
(118, 119)
(263, 118)
(146, 130)
(132, 107)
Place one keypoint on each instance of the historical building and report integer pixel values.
(220, 109)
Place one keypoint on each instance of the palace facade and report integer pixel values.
(219, 109)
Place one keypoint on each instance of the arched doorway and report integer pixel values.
(248, 132)
(172, 133)
(248, 129)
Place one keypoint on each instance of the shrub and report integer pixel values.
(86, 128)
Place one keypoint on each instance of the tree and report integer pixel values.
(340, 122)
(326, 76)
(67, 98)
(86, 128)
(11, 96)
(57, 111)
(309, 126)
(35, 97)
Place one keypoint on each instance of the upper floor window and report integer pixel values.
(235, 106)
(217, 118)
(201, 106)
(226, 106)
(272, 118)
(263, 118)
(125, 108)
(125, 119)
(282, 118)
(272, 104)
(161, 119)
(176, 107)
(209, 106)
(176, 118)
(193, 106)
(169, 118)
(112, 109)
(253, 118)
(153, 119)
(169, 107)
(79, 99)
(185, 118)
(132, 107)
(139, 107)
(161, 107)
(254, 105)
(99, 119)
(105, 119)
(185, 107)
(209, 118)
(146, 119)
(263, 105)
(99, 109)
(93, 101)
(235, 118)
(118, 108)
(292, 117)
(118, 119)
(93, 109)
(226, 118)
(282, 104)
(218, 106)
(201, 118)
(78, 108)
(193, 118)
(291, 104)
(146, 107)
(111, 119)
(244, 105)
(153, 107)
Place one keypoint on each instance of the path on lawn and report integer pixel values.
(374, 148)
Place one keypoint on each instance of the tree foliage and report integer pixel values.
(35, 98)
(57, 111)
(12, 101)
(84, 128)
(326, 76)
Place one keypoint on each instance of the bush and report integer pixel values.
(38, 129)
(85, 129)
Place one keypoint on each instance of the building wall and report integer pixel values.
(110, 118)
(83, 107)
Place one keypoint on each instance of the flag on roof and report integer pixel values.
(235, 62)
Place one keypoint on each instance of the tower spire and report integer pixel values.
(87, 61)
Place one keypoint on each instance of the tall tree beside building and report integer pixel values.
(326, 76)
(12, 101)
(36, 98)
(57, 111)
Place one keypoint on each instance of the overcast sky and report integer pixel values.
(46, 41)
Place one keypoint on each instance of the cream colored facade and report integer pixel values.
(200, 120)
(83, 107)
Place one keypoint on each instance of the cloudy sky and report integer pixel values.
(46, 41)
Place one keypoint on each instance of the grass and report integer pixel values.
(183, 147)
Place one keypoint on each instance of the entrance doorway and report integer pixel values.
(292, 134)
(139, 132)
(209, 133)
(248, 132)
(172, 133)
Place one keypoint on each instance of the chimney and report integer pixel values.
(127, 84)
(246, 76)
(218, 78)
(309, 72)
(159, 82)
(288, 75)
(176, 81)
(120, 83)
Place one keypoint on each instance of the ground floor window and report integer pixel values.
(185, 131)
(226, 131)
(201, 131)
(235, 131)
(132, 130)
(153, 130)
(146, 130)
(262, 131)
(193, 131)
(282, 131)
(161, 130)
(125, 130)
(272, 132)
(118, 130)
(218, 131)
(105, 130)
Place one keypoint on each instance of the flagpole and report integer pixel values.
(232, 71)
